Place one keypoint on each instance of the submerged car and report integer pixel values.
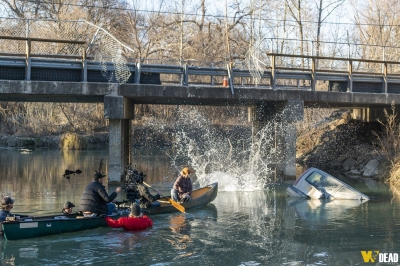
(316, 184)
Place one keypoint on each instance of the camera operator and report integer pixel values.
(137, 191)
(146, 200)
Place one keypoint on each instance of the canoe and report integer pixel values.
(50, 225)
(57, 224)
(200, 197)
(316, 184)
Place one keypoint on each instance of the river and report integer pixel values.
(240, 227)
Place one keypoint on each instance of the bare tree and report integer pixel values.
(376, 26)
(324, 9)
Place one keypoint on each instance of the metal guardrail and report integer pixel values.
(273, 73)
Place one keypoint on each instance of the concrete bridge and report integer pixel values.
(32, 78)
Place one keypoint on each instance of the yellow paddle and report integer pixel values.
(173, 203)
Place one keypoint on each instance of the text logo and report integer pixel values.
(369, 256)
(372, 256)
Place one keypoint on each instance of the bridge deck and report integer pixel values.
(44, 91)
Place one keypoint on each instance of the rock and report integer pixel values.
(353, 173)
(371, 168)
(20, 142)
(361, 168)
(349, 164)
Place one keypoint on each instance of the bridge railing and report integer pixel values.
(349, 74)
(378, 72)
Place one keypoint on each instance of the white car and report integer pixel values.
(316, 184)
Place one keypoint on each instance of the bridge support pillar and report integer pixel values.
(119, 110)
(280, 117)
(370, 114)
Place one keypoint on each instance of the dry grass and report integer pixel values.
(388, 144)
(43, 119)
(72, 142)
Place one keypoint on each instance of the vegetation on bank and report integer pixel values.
(388, 144)
(340, 144)
(326, 138)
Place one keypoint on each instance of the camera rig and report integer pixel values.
(132, 179)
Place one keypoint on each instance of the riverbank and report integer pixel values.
(343, 146)
(338, 145)
(68, 141)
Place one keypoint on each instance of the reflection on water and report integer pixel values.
(262, 227)
(180, 226)
(323, 209)
(38, 176)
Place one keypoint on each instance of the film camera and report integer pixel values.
(132, 179)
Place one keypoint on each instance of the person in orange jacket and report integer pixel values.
(134, 222)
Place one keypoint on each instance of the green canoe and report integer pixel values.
(50, 225)
(58, 224)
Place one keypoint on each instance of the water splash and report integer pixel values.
(231, 157)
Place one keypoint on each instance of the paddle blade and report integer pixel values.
(177, 205)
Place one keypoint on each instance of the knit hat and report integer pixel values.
(68, 205)
(135, 210)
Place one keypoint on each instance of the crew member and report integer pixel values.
(95, 199)
(7, 203)
(68, 208)
(5, 209)
(136, 220)
(146, 199)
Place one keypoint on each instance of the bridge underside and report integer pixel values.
(118, 110)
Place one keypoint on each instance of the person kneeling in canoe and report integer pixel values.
(146, 199)
(134, 222)
(182, 189)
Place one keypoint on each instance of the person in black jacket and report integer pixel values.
(95, 199)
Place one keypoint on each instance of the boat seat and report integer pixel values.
(89, 214)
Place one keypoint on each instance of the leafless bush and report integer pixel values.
(388, 143)
(38, 119)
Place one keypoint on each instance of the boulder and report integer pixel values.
(353, 174)
(350, 163)
(371, 168)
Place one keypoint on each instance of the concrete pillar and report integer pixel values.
(119, 110)
(371, 114)
(118, 153)
(284, 115)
